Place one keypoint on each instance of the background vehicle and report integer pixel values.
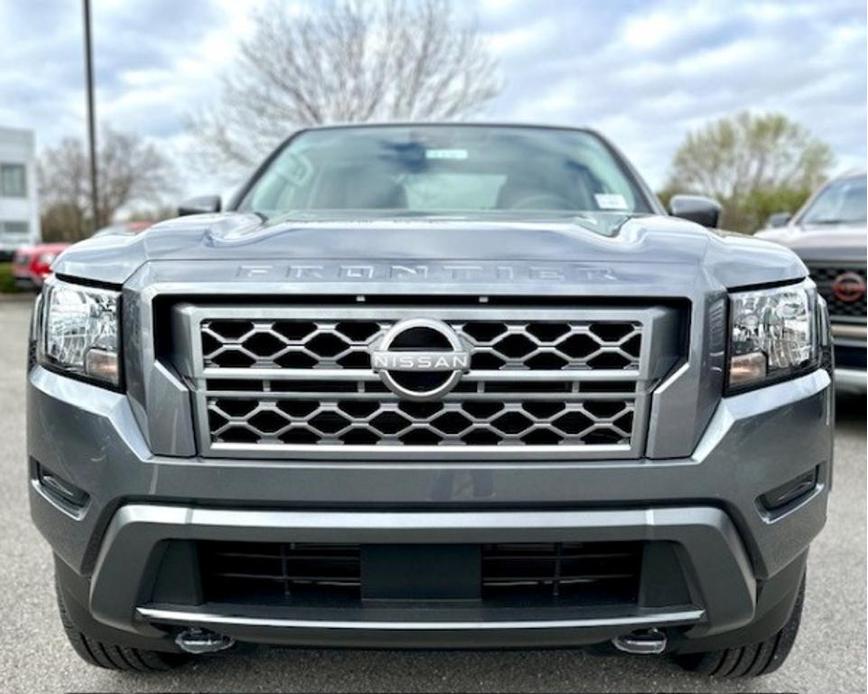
(829, 234)
(129, 228)
(463, 386)
(32, 264)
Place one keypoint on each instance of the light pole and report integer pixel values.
(91, 115)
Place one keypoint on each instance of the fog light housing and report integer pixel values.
(65, 494)
(795, 489)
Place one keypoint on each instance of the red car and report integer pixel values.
(32, 264)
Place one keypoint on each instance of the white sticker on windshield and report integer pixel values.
(446, 154)
(610, 201)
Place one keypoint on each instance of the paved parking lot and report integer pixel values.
(829, 655)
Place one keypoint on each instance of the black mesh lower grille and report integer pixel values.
(602, 571)
(511, 573)
(265, 572)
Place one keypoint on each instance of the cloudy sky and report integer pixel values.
(642, 71)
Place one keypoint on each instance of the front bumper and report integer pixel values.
(850, 356)
(706, 505)
(707, 534)
(25, 282)
(851, 379)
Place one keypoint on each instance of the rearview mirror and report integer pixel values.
(778, 219)
(204, 204)
(696, 208)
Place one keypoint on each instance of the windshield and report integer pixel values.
(841, 202)
(441, 169)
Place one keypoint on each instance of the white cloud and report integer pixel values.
(645, 77)
(642, 72)
(520, 39)
(650, 31)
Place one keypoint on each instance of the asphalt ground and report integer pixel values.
(829, 655)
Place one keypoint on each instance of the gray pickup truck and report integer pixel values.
(432, 386)
(829, 235)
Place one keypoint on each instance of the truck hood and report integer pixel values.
(822, 243)
(235, 245)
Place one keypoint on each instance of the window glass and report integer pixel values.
(841, 202)
(14, 228)
(13, 180)
(452, 191)
(441, 168)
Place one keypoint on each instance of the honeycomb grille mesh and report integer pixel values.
(383, 422)
(494, 345)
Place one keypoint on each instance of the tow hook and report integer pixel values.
(644, 642)
(199, 641)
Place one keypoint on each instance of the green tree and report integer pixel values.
(753, 164)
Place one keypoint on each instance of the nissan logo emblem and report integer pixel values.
(420, 359)
(849, 287)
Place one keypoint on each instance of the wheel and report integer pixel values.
(113, 656)
(751, 660)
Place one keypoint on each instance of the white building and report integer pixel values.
(19, 207)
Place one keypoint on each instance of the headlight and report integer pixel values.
(79, 332)
(773, 334)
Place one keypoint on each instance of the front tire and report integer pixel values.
(752, 660)
(113, 656)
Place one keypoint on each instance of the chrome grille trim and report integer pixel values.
(512, 386)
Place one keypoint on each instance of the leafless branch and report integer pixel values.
(344, 61)
(128, 171)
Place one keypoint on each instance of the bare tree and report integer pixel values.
(128, 171)
(345, 61)
(754, 164)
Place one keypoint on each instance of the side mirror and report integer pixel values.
(696, 208)
(204, 204)
(778, 219)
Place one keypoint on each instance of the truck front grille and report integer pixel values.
(825, 277)
(299, 381)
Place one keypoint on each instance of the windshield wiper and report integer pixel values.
(830, 221)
